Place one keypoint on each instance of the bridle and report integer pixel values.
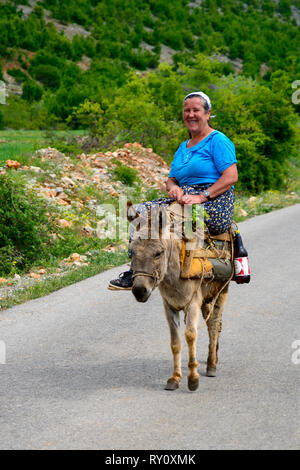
(155, 276)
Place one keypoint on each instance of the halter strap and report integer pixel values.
(154, 276)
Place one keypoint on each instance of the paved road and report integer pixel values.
(85, 367)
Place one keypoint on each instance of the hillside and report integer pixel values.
(50, 47)
(121, 72)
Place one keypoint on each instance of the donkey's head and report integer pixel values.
(150, 248)
(149, 264)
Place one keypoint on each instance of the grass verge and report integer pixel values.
(250, 206)
(43, 287)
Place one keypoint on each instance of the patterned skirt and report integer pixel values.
(218, 212)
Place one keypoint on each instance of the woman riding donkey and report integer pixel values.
(202, 172)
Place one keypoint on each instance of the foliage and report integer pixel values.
(18, 74)
(87, 115)
(20, 114)
(48, 74)
(124, 174)
(23, 225)
(65, 143)
(32, 91)
(262, 125)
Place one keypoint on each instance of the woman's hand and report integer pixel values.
(193, 199)
(175, 192)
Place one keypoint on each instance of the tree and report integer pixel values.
(48, 75)
(32, 91)
(284, 8)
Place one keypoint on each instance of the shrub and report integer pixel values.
(16, 114)
(48, 75)
(88, 115)
(45, 57)
(124, 174)
(23, 225)
(18, 75)
(32, 91)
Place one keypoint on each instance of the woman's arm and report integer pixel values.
(226, 180)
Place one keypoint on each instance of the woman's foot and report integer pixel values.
(124, 281)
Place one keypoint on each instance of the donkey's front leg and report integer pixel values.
(192, 317)
(173, 321)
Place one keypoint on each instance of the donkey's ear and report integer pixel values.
(131, 212)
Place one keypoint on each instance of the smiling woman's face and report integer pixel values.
(194, 116)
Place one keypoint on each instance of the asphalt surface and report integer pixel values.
(86, 367)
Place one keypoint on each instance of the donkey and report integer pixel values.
(156, 263)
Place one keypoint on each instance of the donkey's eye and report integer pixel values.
(157, 255)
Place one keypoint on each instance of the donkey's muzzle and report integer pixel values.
(141, 293)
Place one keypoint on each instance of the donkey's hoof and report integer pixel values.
(211, 372)
(171, 385)
(193, 384)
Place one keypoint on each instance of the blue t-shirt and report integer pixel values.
(204, 162)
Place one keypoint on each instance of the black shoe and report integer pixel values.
(124, 282)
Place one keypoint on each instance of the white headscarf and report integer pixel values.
(203, 95)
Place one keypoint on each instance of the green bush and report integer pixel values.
(16, 113)
(32, 91)
(125, 174)
(284, 8)
(23, 225)
(45, 57)
(18, 75)
(48, 75)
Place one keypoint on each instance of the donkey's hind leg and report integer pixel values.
(214, 325)
(173, 321)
